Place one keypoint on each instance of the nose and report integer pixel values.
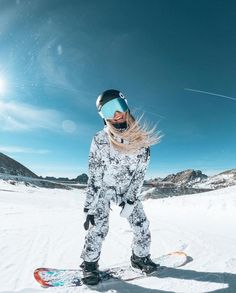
(117, 114)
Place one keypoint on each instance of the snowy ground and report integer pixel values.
(43, 227)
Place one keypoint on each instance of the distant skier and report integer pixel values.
(118, 159)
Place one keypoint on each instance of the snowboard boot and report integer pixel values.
(91, 274)
(145, 264)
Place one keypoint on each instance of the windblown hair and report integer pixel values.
(135, 136)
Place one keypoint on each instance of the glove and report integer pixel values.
(127, 208)
(89, 220)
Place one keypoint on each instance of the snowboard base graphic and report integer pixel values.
(50, 277)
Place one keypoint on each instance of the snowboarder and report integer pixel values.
(118, 159)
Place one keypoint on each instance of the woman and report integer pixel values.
(118, 159)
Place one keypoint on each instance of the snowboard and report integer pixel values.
(51, 277)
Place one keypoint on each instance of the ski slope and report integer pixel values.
(44, 227)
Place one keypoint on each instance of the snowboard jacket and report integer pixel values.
(112, 174)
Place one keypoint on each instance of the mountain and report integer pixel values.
(12, 167)
(187, 177)
(187, 182)
(221, 180)
(83, 178)
(14, 172)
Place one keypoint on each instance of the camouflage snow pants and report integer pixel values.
(96, 234)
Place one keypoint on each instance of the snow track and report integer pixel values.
(43, 227)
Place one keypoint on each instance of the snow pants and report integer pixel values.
(96, 234)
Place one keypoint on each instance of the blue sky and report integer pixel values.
(173, 60)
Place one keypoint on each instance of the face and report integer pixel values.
(118, 117)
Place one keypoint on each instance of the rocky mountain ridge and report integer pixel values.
(13, 172)
(185, 182)
(12, 167)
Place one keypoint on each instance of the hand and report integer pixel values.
(89, 220)
(127, 208)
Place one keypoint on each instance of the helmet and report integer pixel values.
(110, 101)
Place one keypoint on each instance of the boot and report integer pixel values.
(143, 263)
(91, 274)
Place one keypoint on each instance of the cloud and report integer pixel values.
(15, 149)
(19, 117)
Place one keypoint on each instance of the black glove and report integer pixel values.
(122, 204)
(89, 220)
(127, 208)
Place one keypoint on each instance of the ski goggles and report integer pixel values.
(108, 110)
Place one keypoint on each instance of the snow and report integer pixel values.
(220, 180)
(44, 227)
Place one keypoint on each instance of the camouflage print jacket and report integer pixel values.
(112, 174)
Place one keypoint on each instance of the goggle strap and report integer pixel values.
(100, 113)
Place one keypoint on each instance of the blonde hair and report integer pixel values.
(135, 136)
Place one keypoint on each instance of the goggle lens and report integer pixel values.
(108, 110)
